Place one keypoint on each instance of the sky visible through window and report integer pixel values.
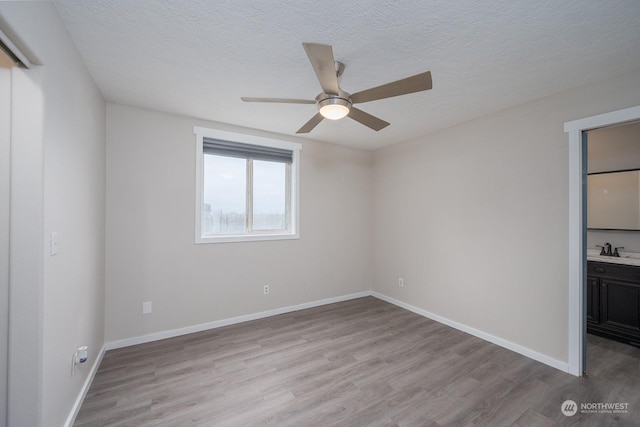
(225, 187)
(269, 198)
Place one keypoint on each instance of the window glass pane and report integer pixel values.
(269, 195)
(224, 209)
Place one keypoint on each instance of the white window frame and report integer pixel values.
(293, 193)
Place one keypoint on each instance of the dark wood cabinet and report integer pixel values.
(613, 301)
(593, 300)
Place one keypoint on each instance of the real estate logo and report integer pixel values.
(569, 408)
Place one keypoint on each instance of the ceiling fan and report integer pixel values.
(334, 103)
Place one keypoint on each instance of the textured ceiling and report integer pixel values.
(198, 57)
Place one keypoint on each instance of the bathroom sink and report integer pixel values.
(628, 258)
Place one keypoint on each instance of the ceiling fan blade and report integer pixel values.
(367, 119)
(321, 58)
(280, 100)
(308, 127)
(412, 84)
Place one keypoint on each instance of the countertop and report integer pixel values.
(628, 258)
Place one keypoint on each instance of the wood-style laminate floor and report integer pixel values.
(362, 362)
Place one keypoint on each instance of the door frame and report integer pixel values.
(5, 226)
(577, 227)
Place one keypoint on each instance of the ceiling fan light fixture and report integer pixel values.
(334, 108)
(334, 104)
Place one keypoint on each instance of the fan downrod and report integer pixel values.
(339, 68)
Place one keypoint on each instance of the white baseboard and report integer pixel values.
(532, 354)
(231, 321)
(563, 366)
(85, 388)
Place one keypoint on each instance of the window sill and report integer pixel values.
(244, 238)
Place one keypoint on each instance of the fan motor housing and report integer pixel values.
(341, 103)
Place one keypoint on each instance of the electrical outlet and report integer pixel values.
(401, 282)
(266, 289)
(146, 307)
(53, 243)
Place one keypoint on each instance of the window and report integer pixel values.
(246, 188)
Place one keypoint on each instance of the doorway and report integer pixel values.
(10, 58)
(577, 228)
(613, 224)
(5, 174)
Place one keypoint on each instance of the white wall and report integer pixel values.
(614, 148)
(57, 184)
(610, 149)
(475, 218)
(151, 255)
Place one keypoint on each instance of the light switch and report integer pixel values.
(53, 243)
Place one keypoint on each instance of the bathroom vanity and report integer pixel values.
(613, 298)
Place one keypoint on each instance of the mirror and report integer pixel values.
(613, 200)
